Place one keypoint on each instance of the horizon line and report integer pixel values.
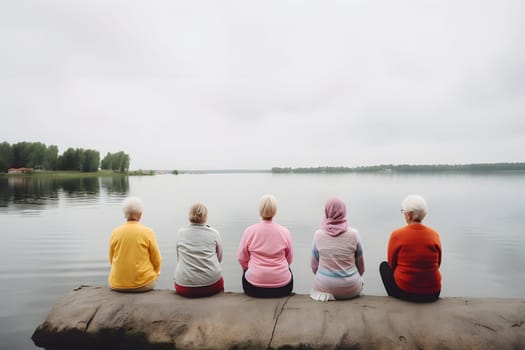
(329, 166)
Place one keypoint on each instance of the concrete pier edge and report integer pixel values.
(93, 317)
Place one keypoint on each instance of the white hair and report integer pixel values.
(416, 205)
(132, 206)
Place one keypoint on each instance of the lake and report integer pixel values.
(55, 233)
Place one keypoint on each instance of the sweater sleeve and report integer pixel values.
(154, 253)
(392, 251)
(439, 251)
(111, 250)
(289, 252)
(359, 259)
(218, 248)
(243, 255)
(314, 260)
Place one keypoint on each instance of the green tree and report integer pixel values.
(6, 156)
(29, 155)
(36, 155)
(122, 159)
(21, 154)
(116, 161)
(106, 163)
(91, 161)
(71, 159)
(51, 158)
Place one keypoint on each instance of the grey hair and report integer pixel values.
(198, 213)
(267, 206)
(132, 206)
(416, 205)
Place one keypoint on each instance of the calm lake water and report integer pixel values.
(55, 233)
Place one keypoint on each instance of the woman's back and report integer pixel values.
(337, 261)
(415, 255)
(337, 253)
(266, 252)
(199, 255)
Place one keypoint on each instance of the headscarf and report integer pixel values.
(335, 217)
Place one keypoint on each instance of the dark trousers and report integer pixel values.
(260, 292)
(387, 275)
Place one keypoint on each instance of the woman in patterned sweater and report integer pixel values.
(337, 256)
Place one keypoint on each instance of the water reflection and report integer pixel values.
(81, 186)
(42, 192)
(116, 184)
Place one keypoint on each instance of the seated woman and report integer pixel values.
(133, 253)
(265, 254)
(337, 256)
(414, 257)
(199, 254)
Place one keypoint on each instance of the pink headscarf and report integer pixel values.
(335, 217)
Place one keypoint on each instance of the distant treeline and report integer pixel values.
(221, 171)
(405, 168)
(38, 156)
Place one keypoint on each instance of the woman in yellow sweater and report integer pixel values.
(133, 252)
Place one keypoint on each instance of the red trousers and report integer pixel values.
(198, 292)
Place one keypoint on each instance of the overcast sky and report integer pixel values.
(256, 84)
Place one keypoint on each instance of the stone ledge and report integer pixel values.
(96, 317)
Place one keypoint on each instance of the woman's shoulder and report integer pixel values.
(252, 227)
(352, 231)
(211, 229)
(283, 229)
(432, 231)
(400, 232)
(198, 228)
(319, 232)
(353, 235)
(144, 228)
(265, 225)
(401, 229)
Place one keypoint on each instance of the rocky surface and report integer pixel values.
(96, 317)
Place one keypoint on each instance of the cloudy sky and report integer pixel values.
(256, 84)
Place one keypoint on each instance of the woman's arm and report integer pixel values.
(218, 248)
(243, 254)
(314, 260)
(359, 259)
(154, 253)
(289, 250)
(392, 252)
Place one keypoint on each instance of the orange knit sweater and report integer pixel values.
(414, 254)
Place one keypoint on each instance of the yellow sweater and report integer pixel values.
(134, 256)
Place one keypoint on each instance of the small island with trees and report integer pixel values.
(27, 157)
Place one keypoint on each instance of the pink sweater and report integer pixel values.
(266, 253)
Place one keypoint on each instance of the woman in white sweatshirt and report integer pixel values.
(199, 253)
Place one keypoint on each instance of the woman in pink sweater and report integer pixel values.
(265, 254)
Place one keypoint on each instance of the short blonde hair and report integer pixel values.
(198, 213)
(267, 206)
(416, 205)
(132, 206)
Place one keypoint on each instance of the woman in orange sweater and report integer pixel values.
(414, 256)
